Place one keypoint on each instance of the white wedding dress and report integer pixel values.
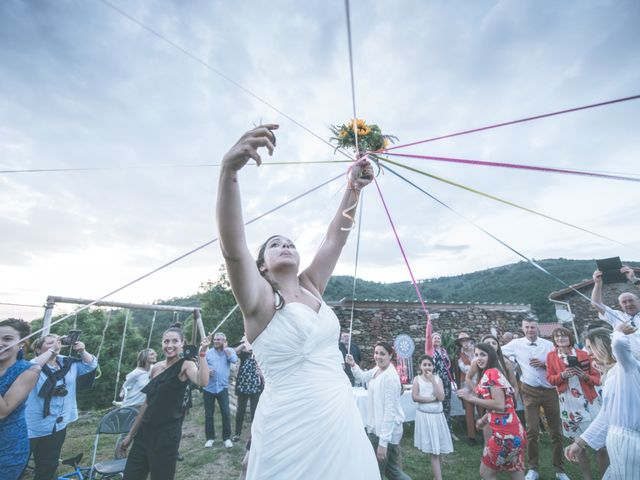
(307, 425)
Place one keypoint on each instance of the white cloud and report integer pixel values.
(82, 86)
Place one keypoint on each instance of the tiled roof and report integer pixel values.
(546, 329)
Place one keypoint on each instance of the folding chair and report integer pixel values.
(117, 421)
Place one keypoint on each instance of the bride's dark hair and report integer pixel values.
(264, 273)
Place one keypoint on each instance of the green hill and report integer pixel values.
(514, 283)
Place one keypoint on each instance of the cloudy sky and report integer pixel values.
(84, 87)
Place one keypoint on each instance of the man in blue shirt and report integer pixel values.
(219, 359)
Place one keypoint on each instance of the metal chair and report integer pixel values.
(115, 422)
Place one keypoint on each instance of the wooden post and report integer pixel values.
(48, 313)
(197, 316)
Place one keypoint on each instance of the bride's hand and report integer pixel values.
(247, 147)
(360, 175)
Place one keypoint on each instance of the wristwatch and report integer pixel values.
(636, 281)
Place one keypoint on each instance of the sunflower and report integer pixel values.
(370, 137)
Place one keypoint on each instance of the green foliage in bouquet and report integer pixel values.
(370, 137)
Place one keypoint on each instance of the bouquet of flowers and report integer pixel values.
(370, 137)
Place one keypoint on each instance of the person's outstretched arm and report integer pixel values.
(198, 373)
(470, 376)
(247, 284)
(18, 391)
(630, 274)
(596, 293)
(325, 260)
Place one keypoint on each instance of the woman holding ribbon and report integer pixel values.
(294, 334)
(17, 379)
(384, 413)
(617, 425)
(157, 429)
(443, 368)
(52, 405)
(504, 451)
(571, 371)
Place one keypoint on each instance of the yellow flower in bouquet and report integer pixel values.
(370, 137)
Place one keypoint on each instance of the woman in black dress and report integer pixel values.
(158, 427)
(249, 384)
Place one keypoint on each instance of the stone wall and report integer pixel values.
(379, 320)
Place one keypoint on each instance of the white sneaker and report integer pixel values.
(562, 476)
(228, 443)
(208, 444)
(531, 475)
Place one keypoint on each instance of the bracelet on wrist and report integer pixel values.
(202, 354)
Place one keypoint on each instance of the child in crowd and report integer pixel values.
(431, 429)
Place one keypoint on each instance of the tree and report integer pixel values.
(92, 324)
(217, 300)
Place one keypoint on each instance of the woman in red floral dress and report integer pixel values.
(505, 450)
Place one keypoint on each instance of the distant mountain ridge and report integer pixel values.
(513, 283)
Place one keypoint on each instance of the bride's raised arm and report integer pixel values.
(248, 286)
(326, 258)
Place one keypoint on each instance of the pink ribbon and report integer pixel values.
(517, 166)
(513, 122)
(428, 340)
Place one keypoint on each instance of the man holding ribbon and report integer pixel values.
(629, 307)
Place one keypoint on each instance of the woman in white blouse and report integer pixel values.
(618, 423)
(137, 379)
(384, 414)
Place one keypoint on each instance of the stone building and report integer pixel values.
(584, 315)
(375, 320)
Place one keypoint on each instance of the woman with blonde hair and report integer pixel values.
(52, 405)
(131, 391)
(617, 426)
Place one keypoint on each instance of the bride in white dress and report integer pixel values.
(307, 425)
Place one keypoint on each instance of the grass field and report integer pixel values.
(219, 463)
